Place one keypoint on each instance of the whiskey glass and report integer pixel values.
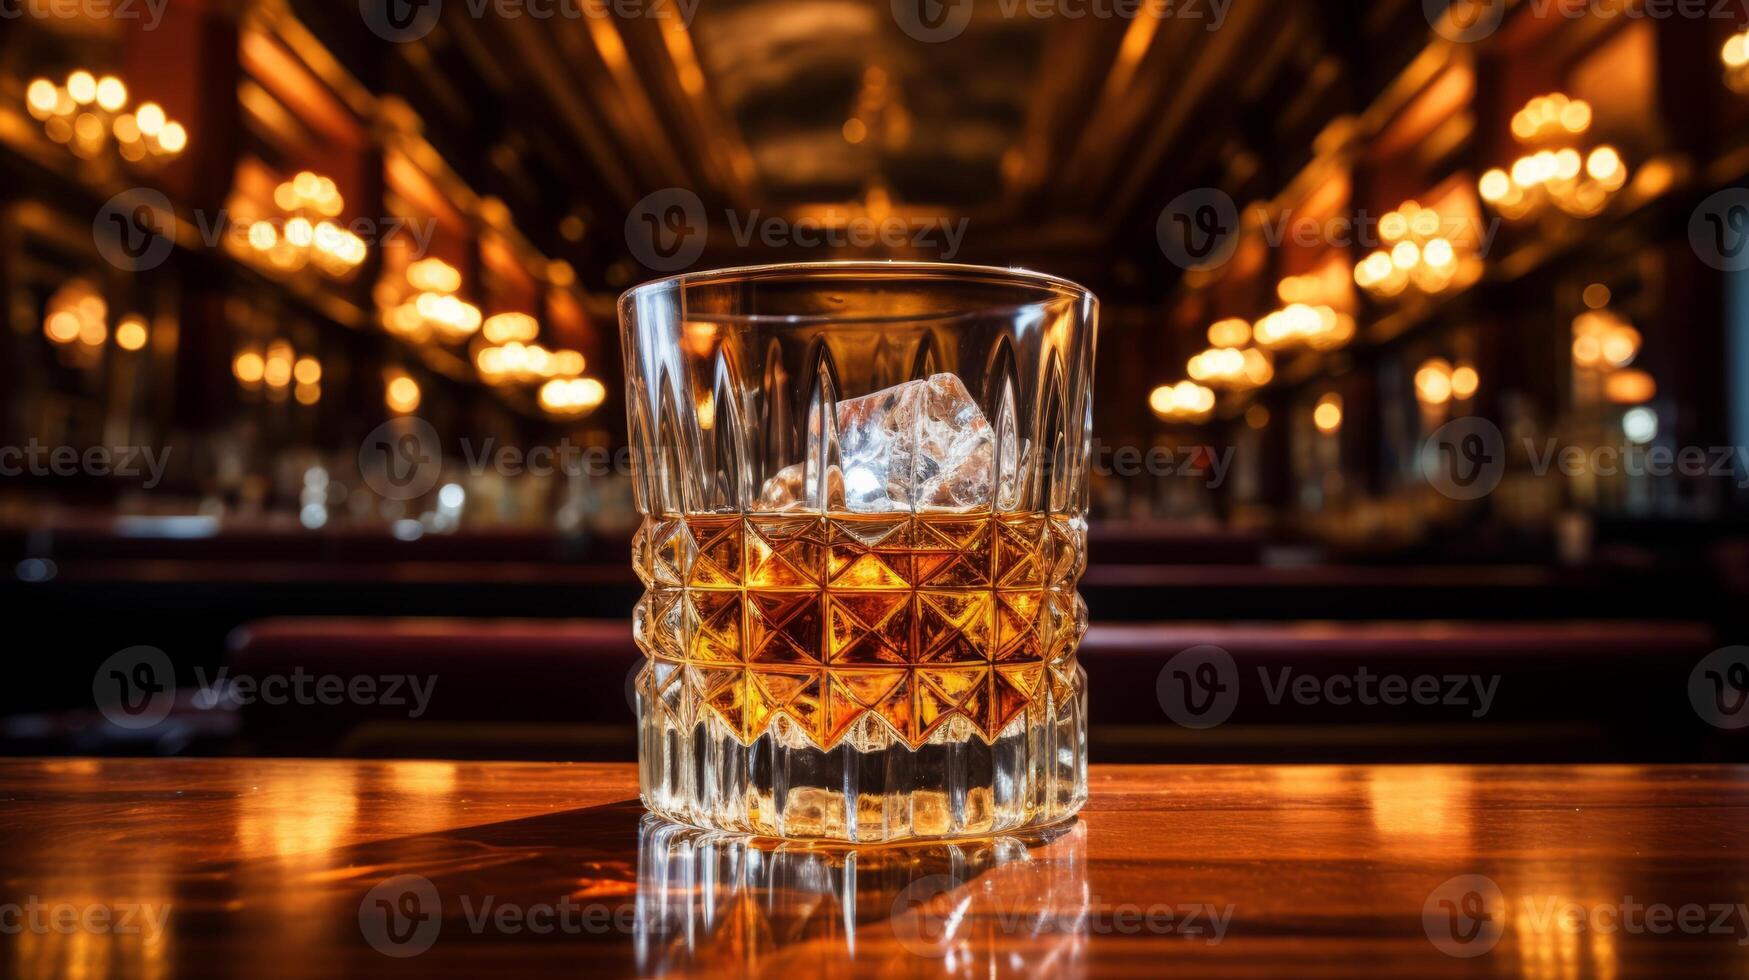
(864, 491)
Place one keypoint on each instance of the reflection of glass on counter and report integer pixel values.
(714, 901)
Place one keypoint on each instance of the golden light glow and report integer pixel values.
(1185, 401)
(515, 362)
(433, 308)
(111, 93)
(82, 86)
(1229, 367)
(308, 237)
(502, 328)
(1299, 325)
(150, 117)
(1465, 381)
(1603, 340)
(130, 333)
(434, 276)
(401, 394)
(1230, 332)
(1735, 55)
(85, 112)
(277, 371)
(1556, 172)
(41, 98)
(76, 313)
(575, 396)
(1327, 416)
(249, 367)
(1630, 387)
(62, 326)
(1433, 382)
(307, 371)
(1417, 254)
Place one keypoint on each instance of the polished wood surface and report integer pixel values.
(253, 867)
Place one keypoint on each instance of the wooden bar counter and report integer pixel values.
(249, 867)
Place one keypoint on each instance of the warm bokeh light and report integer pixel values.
(1602, 339)
(307, 371)
(1299, 325)
(1433, 384)
(1327, 416)
(1230, 332)
(502, 328)
(1630, 387)
(573, 396)
(434, 276)
(76, 313)
(85, 112)
(1184, 401)
(249, 367)
(1735, 56)
(130, 333)
(1418, 254)
(401, 394)
(111, 93)
(1465, 382)
(1230, 367)
(433, 309)
(1556, 171)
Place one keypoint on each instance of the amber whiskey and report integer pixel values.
(792, 654)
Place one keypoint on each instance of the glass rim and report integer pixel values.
(1064, 289)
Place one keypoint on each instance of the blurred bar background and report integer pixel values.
(236, 238)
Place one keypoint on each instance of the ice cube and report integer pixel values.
(922, 444)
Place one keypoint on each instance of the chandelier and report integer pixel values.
(1418, 253)
(306, 236)
(86, 112)
(433, 309)
(1556, 170)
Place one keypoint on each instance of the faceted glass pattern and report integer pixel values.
(864, 491)
(914, 618)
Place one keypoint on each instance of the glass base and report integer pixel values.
(871, 787)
